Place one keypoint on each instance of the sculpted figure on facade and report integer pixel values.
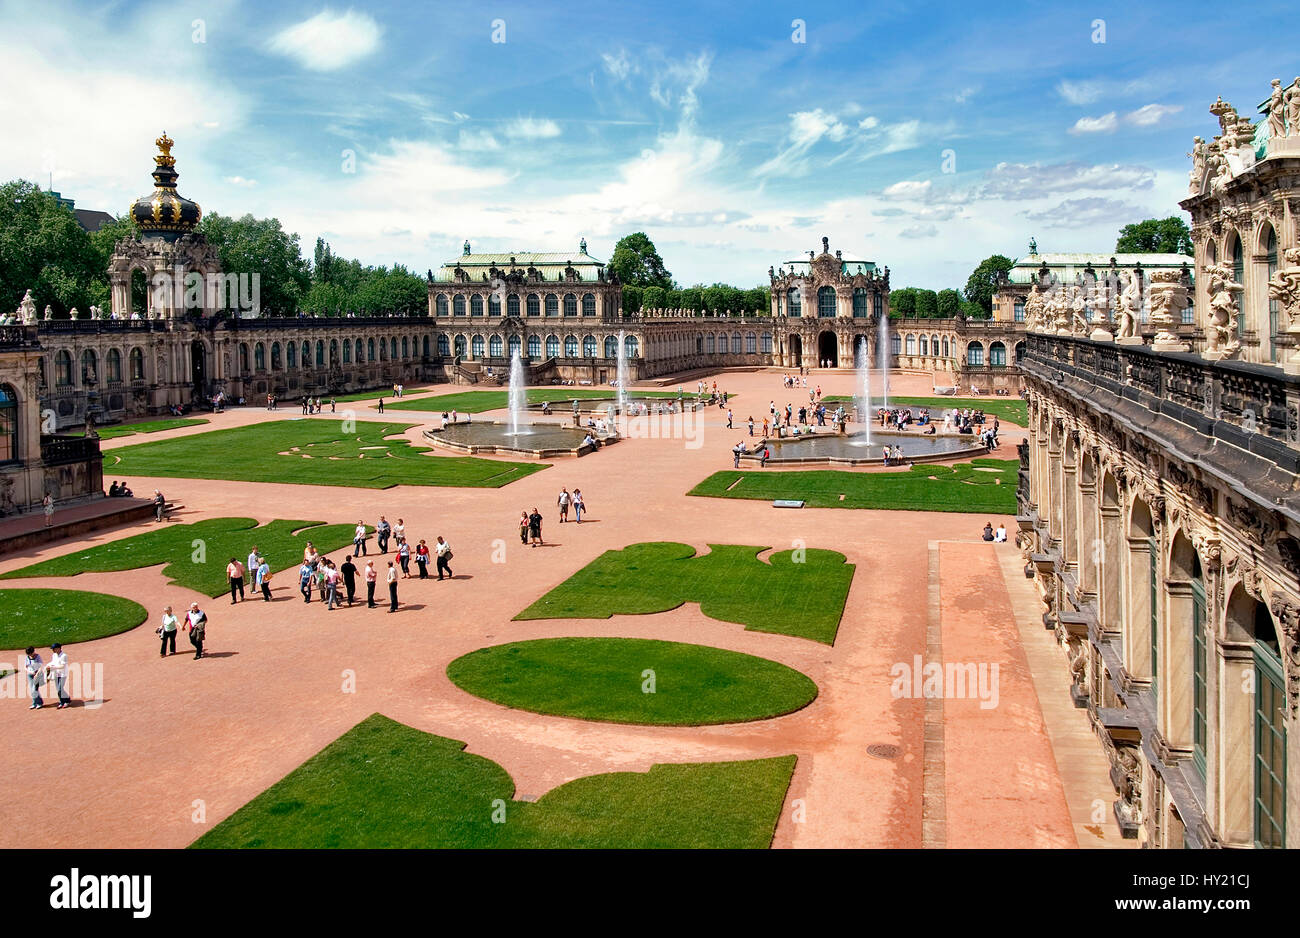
(1276, 110)
(1035, 309)
(1130, 302)
(1284, 288)
(1078, 306)
(27, 310)
(1291, 108)
(1197, 175)
(1221, 326)
(1168, 298)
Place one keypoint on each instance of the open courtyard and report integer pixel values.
(757, 669)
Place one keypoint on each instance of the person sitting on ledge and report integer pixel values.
(930, 431)
(589, 440)
(988, 531)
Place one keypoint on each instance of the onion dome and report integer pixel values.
(164, 213)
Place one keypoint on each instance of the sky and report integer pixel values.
(923, 136)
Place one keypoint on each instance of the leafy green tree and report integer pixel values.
(42, 248)
(631, 300)
(982, 283)
(927, 304)
(653, 297)
(949, 304)
(261, 246)
(1155, 236)
(974, 310)
(673, 299)
(692, 299)
(638, 264)
(903, 301)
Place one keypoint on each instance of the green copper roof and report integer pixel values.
(1027, 266)
(550, 265)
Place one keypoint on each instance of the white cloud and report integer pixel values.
(1106, 124)
(620, 66)
(919, 231)
(1076, 213)
(965, 95)
(531, 128)
(239, 181)
(477, 141)
(329, 40)
(907, 189)
(1151, 114)
(868, 123)
(1080, 93)
(1030, 181)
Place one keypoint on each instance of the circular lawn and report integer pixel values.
(40, 616)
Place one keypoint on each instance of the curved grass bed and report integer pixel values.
(39, 616)
(150, 426)
(604, 679)
(383, 784)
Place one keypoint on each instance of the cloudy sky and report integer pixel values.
(917, 135)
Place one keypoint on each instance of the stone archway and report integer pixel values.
(828, 349)
(796, 351)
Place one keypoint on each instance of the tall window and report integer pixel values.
(1239, 275)
(570, 304)
(440, 304)
(1199, 668)
(751, 343)
(895, 345)
(826, 303)
(1270, 735)
(552, 346)
(113, 363)
(392, 349)
(708, 344)
(534, 346)
(589, 304)
(306, 356)
(1153, 602)
(1018, 311)
(444, 347)
(512, 304)
(975, 354)
(137, 364)
(629, 346)
(534, 306)
(570, 346)
(243, 357)
(767, 343)
(259, 357)
(998, 355)
(291, 354)
(458, 306)
(611, 346)
(494, 346)
(370, 350)
(406, 347)
(320, 353)
(552, 305)
(494, 305)
(513, 346)
(347, 354)
(476, 346)
(476, 305)
(793, 302)
(589, 347)
(860, 303)
(735, 344)
(8, 424)
(460, 346)
(910, 344)
(925, 345)
(1270, 248)
(878, 304)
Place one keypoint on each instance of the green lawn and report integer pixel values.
(385, 785)
(475, 402)
(311, 452)
(981, 486)
(196, 554)
(369, 396)
(605, 679)
(150, 426)
(1012, 409)
(40, 616)
(803, 598)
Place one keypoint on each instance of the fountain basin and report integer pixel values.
(600, 406)
(829, 448)
(534, 440)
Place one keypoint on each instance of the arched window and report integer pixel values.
(722, 343)
(1020, 352)
(8, 424)
(1239, 275)
(877, 305)
(629, 346)
(494, 346)
(347, 352)
(975, 354)
(259, 357)
(708, 344)
(589, 347)
(751, 343)
(767, 343)
(998, 355)
(440, 304)
(826, 303)
(736, 346)
(589, 304)
(570, 304)
(513, 346)
(793, 302)
(570, 346)
(860, 303)
(113, 364)
(945, 346)
(306, 355)
(934, 345)
(392, 347)
(476, 305)
(611, 346)
(243, 357)
(1270, 253)
(460, 346)
(426, 346)
(924, 345)
(534, 346)
(534, 305)
(552, 346)
(910, 345)
(895, 345)
(512, 304)
(458, 306)
(476, 347)
(444, 347)
(137, 364)
(320, 353)
(277, 356)
(383, 350)
(406, 347)
(552, 305)
(370, 350)
(291, 354)
(334, 351)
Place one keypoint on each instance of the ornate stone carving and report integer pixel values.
(1250, 520)
(1284, 287)
(1287, 614)
(1221, 324)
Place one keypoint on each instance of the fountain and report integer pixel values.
(518, 394)
(882, 352)
(622, 374)
(864, 387)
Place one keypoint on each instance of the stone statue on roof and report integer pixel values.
(1221, 326)
(1291, 106)
(1033, 245)
(1276, 110)
(27, 309)
(1197, 174)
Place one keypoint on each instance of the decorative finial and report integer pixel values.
(465, 251)
(1033, 245)
(582, 246)
(164, 157)
(826, 245)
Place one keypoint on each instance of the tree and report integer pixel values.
(653, 297)
(974, 310)
(638, 264)
(949, 304)
(631, 300)
(260, 246)
(982, 282)
(903, 301)
(1155, 236)
(927, 304)
(42, 248)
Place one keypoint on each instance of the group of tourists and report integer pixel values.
(791, 381)
(761, 451)
(314, 405)
(998, 536)
(195, 624)
(119, 490)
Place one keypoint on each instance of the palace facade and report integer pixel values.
(1159, 507)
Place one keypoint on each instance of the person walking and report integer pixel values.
(196, 620)
(47, 505)
(579, 506)
(305, 574)
(264, 578)
(35, 668)
(372, 575)
(399, 530)
(331, 585)
(729, 426)
(443, 550)
(159, 506)
(422, 559)
(58, 669)
(381, 405)
(235, 576)
(523, 527)
(404, 557)
(383, 530)
(359, 539)
(751, 426)
(563, 501)
(167, 632)
(392, 587)
(535, 527)
(349, 571)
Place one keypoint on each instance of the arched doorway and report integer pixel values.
(796, 351)
(198, 366)
(828, 350)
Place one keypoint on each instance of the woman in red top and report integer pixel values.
(422, 559)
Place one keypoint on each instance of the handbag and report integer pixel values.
(447, 556)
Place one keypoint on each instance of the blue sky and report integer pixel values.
(921, 136)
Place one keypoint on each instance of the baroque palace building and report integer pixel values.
(1160, 499)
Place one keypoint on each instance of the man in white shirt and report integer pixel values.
(1001, 534)
(58, 669)
(359, 539)
(35, 677)
(253, 562)
(392, 587)
(196, 620)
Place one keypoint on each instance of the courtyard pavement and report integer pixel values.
(178, 745)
